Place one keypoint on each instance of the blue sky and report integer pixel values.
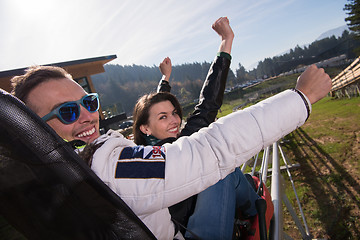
(143, 32)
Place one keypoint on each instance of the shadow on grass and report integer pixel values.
(330, 189)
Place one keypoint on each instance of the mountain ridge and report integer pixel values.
(337, 32)
(333, 32)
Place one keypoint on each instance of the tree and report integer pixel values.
(241, 74)
(353, 19)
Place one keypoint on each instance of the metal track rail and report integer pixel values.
(277, 191)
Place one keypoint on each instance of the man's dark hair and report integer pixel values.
(23, 84)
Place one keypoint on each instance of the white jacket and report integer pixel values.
(150, 179)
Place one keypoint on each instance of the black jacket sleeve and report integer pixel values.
(164, 86)
(211, 97)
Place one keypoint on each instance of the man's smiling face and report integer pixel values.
(50, 94)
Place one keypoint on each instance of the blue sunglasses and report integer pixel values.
(69, 112)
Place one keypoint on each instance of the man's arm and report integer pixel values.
(314, 83)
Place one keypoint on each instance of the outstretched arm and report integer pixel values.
(165, 69)
(314, 83)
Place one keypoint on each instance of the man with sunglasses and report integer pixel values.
(150, 179)
(52, 94)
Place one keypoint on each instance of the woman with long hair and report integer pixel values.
(157, 120)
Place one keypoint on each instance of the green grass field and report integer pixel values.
(328, 183)
(327, 147)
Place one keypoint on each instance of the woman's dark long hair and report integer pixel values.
(141, 112)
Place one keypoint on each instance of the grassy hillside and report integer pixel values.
(328, 181)
(327, 147)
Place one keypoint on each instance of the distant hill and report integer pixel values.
(337, 32)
